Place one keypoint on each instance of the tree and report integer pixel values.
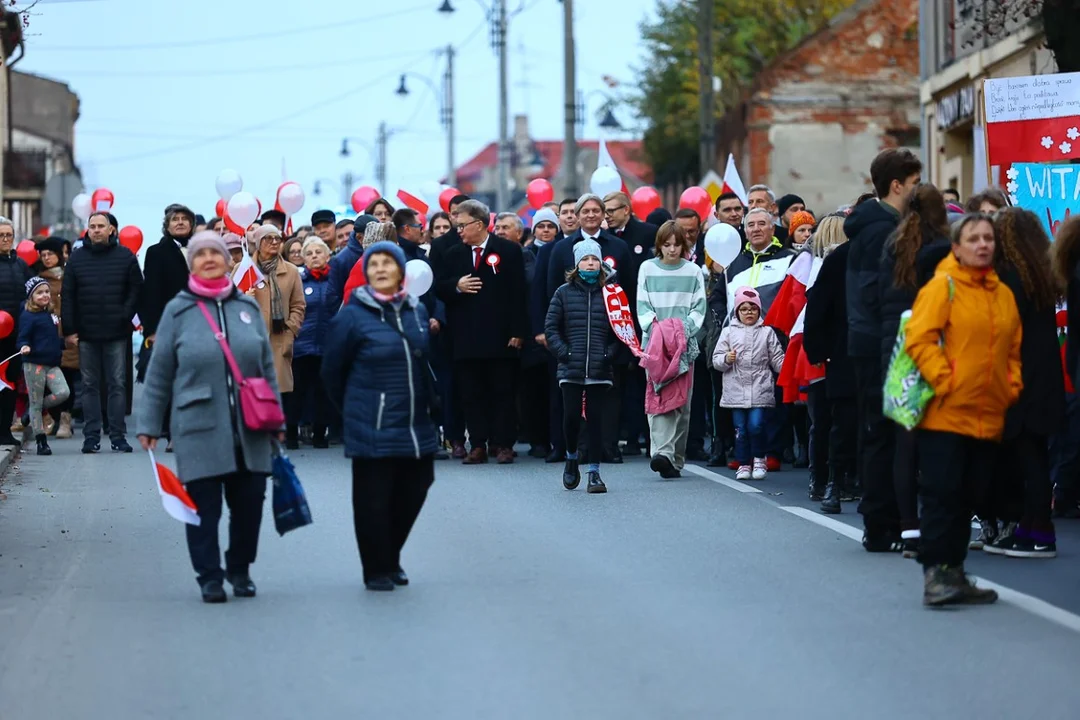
(1059, 20)
(748, 35)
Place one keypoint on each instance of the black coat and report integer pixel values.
(579, 333)
(481, 325)
(867, 228)
(825, 330)
(893, 301)
(13, 276)
(101, 289)
(640, 239)
(165, 273)
(1041, 407)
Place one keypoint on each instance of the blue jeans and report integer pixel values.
(103, 363)
(750, 438)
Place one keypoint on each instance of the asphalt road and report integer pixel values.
(682, 599)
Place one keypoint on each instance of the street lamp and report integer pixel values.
(446, 105)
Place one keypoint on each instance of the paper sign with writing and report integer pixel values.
(1050, 191)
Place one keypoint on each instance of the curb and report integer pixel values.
(8, 455)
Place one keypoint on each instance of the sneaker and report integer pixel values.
(760, 469)
(743, 473)
(886, 542)
(1006, 539)
(1030, 548)
(90, 447)
(910, 548)
(121, 446)
(987, 535)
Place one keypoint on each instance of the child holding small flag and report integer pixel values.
(40, 343)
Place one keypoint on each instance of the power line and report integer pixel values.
(233, 39)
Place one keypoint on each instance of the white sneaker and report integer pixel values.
(760, 470)
(743, 473)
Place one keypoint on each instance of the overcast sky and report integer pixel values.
(170, 97)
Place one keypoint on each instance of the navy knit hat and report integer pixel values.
(32, 284)
(391, 249)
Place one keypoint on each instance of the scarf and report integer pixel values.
(319, 273)
(218, 289)
(385, 299)
(277, 311)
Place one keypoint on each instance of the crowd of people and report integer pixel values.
(590, 336)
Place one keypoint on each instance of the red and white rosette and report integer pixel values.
(610, 262)
(493, 261)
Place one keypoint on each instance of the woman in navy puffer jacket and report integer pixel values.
(374, 366)
(308, 348)
(579, 334)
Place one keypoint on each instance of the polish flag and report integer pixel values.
(791, 298)
(732, 182)
(173, 495)
(604, 159)
(1062, 318)
(246, 275)
(6, 384)
(413, 202)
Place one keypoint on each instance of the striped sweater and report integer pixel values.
(670, 291)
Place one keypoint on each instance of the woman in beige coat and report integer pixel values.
(281, 298)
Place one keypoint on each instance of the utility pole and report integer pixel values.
(448, 109)
(346, 187)
(569, 163)
(705, 85)
(502, 196)
(380, 166)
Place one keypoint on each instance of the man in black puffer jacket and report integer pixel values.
(102, 282)
(13, 277)
(895, 173)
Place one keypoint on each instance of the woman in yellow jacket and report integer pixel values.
(964, 334)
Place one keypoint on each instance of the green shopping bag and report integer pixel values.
(906, 393)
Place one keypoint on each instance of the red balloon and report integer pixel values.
(131, 238)
(364, 196)
(7, 324)
(220, 208)
(446, 196)
(27, 251)
(539, 191)
(698, 200)
(231, 225)
(644, 200)
(102, 200)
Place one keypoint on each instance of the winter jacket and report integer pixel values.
(867, 227)
(894, 300)
(825, 331)
(579, 334)
(1072, 312)
(1041, 408)
(764, 271)
(39, 330)
(13, 276)
(749, 381)
(165, 275)
(102, 285)
(668, 364)
(55, 278)
(292, 300)
(340, 267)
(317, 316)
(975, 373)
(376, 379)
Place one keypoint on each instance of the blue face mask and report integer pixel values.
(589, 276)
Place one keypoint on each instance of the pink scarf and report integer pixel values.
(383, 298)
(218, 289)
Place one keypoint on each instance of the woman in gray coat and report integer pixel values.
(215, 452)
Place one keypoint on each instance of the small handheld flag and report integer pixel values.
(6, 384)
(173, 495)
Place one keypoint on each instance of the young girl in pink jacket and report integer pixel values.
(750, 356)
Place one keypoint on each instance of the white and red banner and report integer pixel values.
(174, 497)
(246, 275)
(620, 317)
(732, 182)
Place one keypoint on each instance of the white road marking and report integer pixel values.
(721, 480)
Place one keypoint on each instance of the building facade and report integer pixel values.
(961, 45)
(818, 115)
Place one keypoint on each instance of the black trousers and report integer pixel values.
(244, 493)
(453, 413)
(555, 407)
(613, 408)
(821, 420)
(699, 406)
(635, 424)
(533, 400)
(387, 495)
(952, 471)
(905, 478)
(876, 450)
(596, 406)
(723, 426)
(308, 384)
(843, 436)
(1023, 489)
(487, 390)
(8, 397)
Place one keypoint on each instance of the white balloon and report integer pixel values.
(418, 278)
(429, 193)
(605, 180)
(82, 206)
(228, 184)
(291, 198)
(243, 208)
(722, 243)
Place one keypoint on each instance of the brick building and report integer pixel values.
(817, 115)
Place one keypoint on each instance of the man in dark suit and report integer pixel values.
(484, 288)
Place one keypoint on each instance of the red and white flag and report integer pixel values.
(788, 315)
(604, 159)
(732, 182)
(246, 275)
(6, 384)
(173, 495)
(412, 202)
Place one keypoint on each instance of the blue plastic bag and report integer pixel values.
(291, 509)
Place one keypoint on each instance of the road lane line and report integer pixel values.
(721, 480)
(1028, 603)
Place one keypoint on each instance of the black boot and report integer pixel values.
(850, 488)
(802, 458)
(817, 486)
(571, 474)
(717, 456)
(830, 505)
(596, 485)
(318, 438)
(42, 445)
(292, 437)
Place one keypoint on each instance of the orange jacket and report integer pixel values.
(976, 373)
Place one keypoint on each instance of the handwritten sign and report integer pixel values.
(1050, 191)
(1032, 98)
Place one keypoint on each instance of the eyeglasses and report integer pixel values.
(7, 236)
(273, 240)
(462, 227)
(417, 226)
(613, 210)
